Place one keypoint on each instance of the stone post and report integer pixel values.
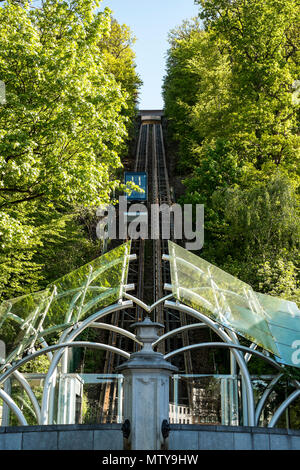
(146, 391)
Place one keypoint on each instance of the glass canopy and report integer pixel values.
(63, 303)
(270, 322)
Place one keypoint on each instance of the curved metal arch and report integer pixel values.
(15, 366)
(177, 331)
(261, 404)
(158, 302)
(218, 329)
(64, 337)
(24, 383)
(146, 307)
(77, 329)
(42, 342)
(220, 345)
(230, 333)
(26, 386)
(284, 405)
(78, 344)
(116, 329)
(138, 302)
(69, 338)
(14, 407)
(81, 344)
(224, 336)
(248, 355)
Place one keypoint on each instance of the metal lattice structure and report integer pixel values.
(49, 322)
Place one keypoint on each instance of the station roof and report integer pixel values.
(151, 112)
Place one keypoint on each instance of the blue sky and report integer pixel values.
(150, 22)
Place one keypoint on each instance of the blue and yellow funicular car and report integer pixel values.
(140, 179)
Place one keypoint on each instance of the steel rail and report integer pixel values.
(138, 148)
(137, 246)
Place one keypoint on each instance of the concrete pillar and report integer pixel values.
(146, 391)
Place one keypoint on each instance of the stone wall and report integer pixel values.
(62, 437)
(182, 437)
(198, 437)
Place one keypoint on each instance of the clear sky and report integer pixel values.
(150, 22)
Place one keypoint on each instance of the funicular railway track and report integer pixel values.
(125, 318)
(170, 319)
(149, 273)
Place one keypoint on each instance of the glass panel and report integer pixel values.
(77, 399)
(270, 322)
(284, 323)
(290, 418)
(204, 399)
(224, 298)
(18, 394)
(66, 301)
(102, 399)
(91, 287)
(25, 316)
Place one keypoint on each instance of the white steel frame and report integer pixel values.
(240, 355)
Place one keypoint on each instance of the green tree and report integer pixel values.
(181, 87)
(63, 130)
(119, 59)
(62, 123)
(261, 40)
(259, 239)
(228, 96)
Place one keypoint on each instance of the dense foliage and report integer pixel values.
(71, 90)
(233, 115)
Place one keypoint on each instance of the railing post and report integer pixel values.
(5, 415)
(146, 393)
